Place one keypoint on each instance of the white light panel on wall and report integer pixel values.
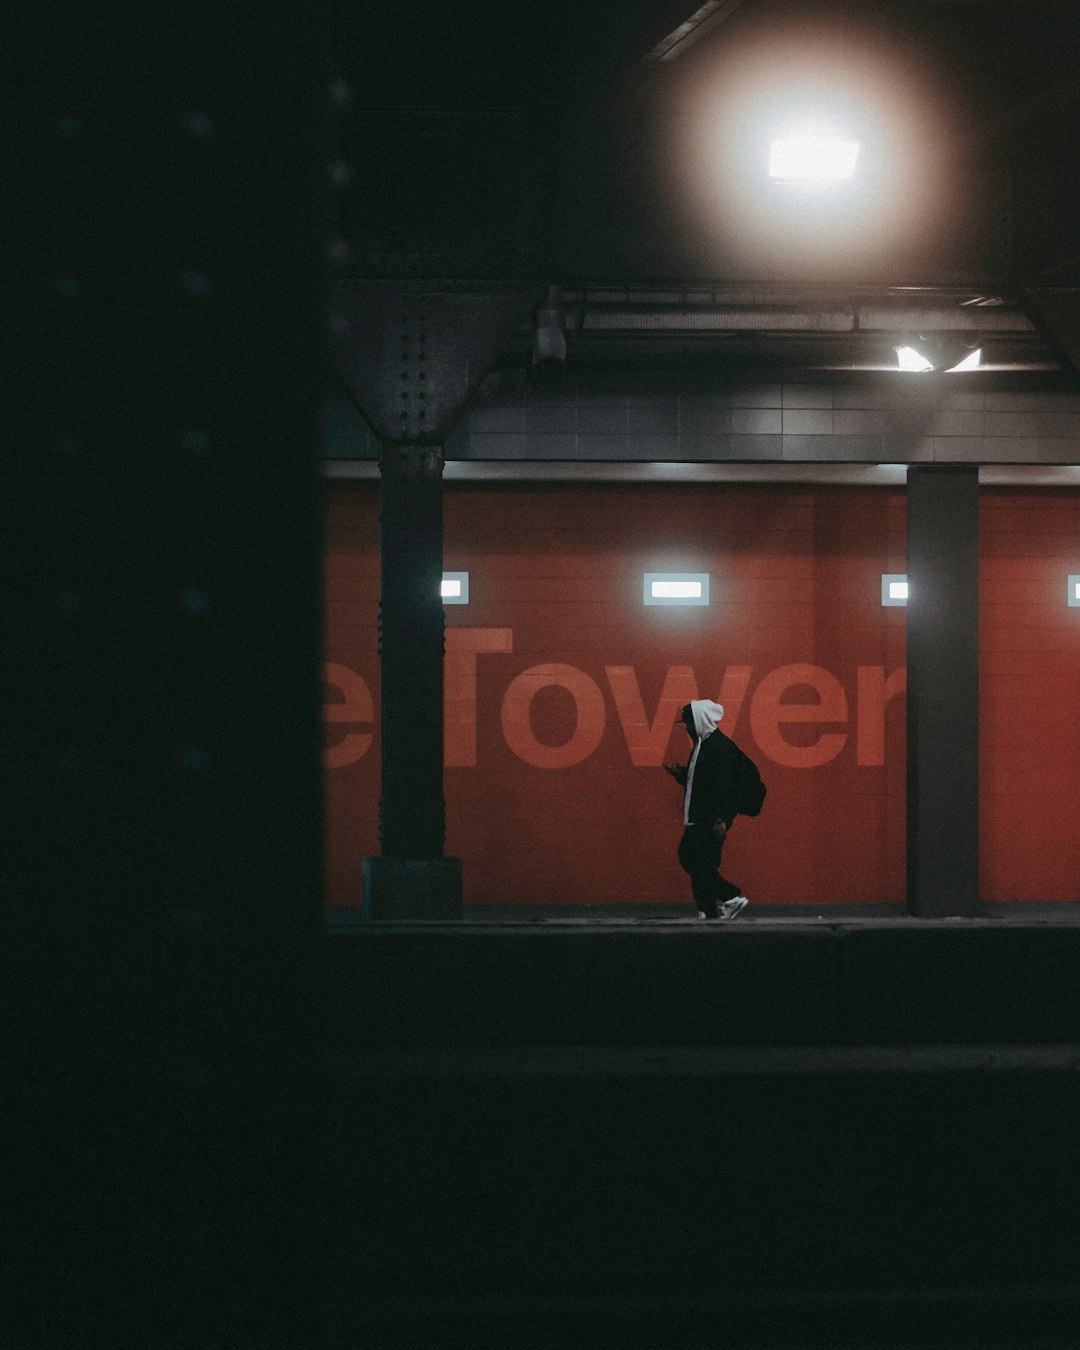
(455, 588)
(676, 588)
(1074, 591)
(894, 588)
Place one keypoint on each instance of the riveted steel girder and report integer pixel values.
(411, 353)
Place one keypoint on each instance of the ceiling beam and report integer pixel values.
(1055, 311)
(713, 13)
(703, 20)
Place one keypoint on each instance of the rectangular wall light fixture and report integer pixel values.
(676, 588)
(1074, 591)
(455, 588)
(894, 588)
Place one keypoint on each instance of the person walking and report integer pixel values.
(718, 784)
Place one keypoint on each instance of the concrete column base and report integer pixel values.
(420, 888)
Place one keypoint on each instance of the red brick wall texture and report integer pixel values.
(562, 688)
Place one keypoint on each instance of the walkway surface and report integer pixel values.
(651, 917)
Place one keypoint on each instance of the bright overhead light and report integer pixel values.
(909, 359)
(809, 154)
(970, 362)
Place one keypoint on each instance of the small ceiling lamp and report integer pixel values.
(940, 352)
(910, 358)
(972, 361)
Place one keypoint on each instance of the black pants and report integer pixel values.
(699, 856)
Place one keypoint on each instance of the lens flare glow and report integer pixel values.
(754, 206)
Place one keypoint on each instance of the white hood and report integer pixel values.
(706, 714)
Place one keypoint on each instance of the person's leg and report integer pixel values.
(700, 851)
(725, 890)
(699, 857)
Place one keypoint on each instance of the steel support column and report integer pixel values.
(411, 878)
(411, 356)
(943, 690)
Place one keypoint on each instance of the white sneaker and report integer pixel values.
(730, 908)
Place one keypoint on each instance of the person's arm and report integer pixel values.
(678, 772)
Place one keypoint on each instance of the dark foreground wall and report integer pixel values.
(162, 846)
(787, 1135)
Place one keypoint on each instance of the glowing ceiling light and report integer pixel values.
(970, 362)
(910, 359)
(809, 154)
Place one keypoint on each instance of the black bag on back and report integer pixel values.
(749, 789)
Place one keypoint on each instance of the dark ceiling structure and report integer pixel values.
(608, 150)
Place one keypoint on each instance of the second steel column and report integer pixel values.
(411, 878)
(412, 813)
(943, 690)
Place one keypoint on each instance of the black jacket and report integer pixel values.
(713, 794)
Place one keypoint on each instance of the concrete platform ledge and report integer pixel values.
(590, 1062)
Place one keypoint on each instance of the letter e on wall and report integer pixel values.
(768, 713)
(358, 709)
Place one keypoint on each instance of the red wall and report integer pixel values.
(556, 579)
(1029, 696)
(562, 688)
